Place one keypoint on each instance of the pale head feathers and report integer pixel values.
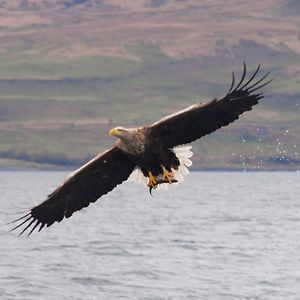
(122, 133)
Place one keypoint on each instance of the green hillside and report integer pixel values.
(69, 71)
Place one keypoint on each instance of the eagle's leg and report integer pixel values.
(166, 175)
(152, 181)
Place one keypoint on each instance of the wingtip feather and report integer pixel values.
(252, 88)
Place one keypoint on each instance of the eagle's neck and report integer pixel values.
(133, 144)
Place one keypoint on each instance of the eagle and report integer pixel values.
(149, 154)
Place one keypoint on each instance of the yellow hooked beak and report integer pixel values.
(114, 132)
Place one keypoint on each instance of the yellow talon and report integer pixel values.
(152, 181)
(166, 175)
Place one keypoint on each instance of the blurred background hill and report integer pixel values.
(72, 69)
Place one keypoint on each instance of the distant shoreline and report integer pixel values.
(204, 170)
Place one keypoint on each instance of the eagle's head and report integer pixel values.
(124, 134)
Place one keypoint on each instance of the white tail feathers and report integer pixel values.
(183, 153)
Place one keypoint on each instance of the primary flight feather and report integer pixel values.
(149, 153)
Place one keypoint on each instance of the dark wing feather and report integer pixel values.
(203, 118)
(96, 178)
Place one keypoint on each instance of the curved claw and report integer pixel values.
(150, 190)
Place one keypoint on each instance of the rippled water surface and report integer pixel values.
(217, 236)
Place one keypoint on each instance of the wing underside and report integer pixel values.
(95, 179)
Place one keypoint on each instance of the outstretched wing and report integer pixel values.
(203, 118)
(96, 178)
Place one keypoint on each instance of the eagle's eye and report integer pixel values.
(118, 131)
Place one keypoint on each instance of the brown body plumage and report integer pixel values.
(147, 151)
(149, 148)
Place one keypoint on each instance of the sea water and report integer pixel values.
(218, 235)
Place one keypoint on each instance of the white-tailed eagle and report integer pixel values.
(151, 153)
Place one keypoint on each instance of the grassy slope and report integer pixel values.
(68, 75)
